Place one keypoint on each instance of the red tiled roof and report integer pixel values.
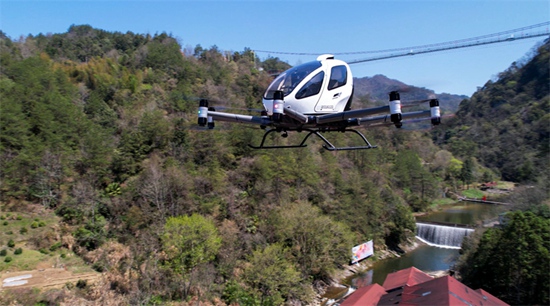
(391, 298)
(412, 287)
(446, 291)
(410, 277)
(365, 296)
(491, 299)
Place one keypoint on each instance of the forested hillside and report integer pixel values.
(506, 123)
(376, 88)
(100, 128)
(506, 126)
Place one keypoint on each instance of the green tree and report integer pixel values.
(164, 53)
(188, 242)
(274, 64)
(513, 262)
(234, 293)
(14, 130)
(453, 171)
(155, 130)
(92, 234)
(467, 172)
(270, 271)
(318, 243)
(418, 183)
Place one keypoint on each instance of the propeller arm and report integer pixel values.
(239, 118)
(417, 114)
(352, 114)
(296, 115)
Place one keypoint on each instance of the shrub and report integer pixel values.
(8, 259)
(81, 284)
(23, 230)
(34, 224)
(18, 251)
(55, 246)
(5, 223)
(41, 224)
(11, 243)
(99, 267)
(19, 218)
(3, 252)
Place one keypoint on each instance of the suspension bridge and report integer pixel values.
(528, 32)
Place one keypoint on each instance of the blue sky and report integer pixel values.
(310, 26)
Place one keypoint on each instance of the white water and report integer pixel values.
(442, 236)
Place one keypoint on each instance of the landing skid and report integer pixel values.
(328, 145)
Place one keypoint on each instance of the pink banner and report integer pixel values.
(362, 251)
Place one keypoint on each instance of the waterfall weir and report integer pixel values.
(442, 236)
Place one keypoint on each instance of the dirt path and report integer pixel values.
(45, 278)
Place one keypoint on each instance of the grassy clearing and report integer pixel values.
(32, 259)
(19, 227)
(473, 193)
(505, 185)
(442, 202)
(27, 260)
(24, 227)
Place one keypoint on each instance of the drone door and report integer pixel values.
(336, 93)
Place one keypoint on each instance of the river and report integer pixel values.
(463, 213)
(424, 257)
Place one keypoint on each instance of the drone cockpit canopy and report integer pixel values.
(318, 87)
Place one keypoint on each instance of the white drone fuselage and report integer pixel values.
(320, 87)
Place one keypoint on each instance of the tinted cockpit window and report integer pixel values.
(288, 80)
(312, 87)
(338, 77)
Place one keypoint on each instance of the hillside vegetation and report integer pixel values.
(100, 128)
(376, 88)
(505, 124)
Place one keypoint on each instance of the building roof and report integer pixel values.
(406, 277)
(365, 296)
(412, 287)
(492, 300)
(446, 291)
(391, 298)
